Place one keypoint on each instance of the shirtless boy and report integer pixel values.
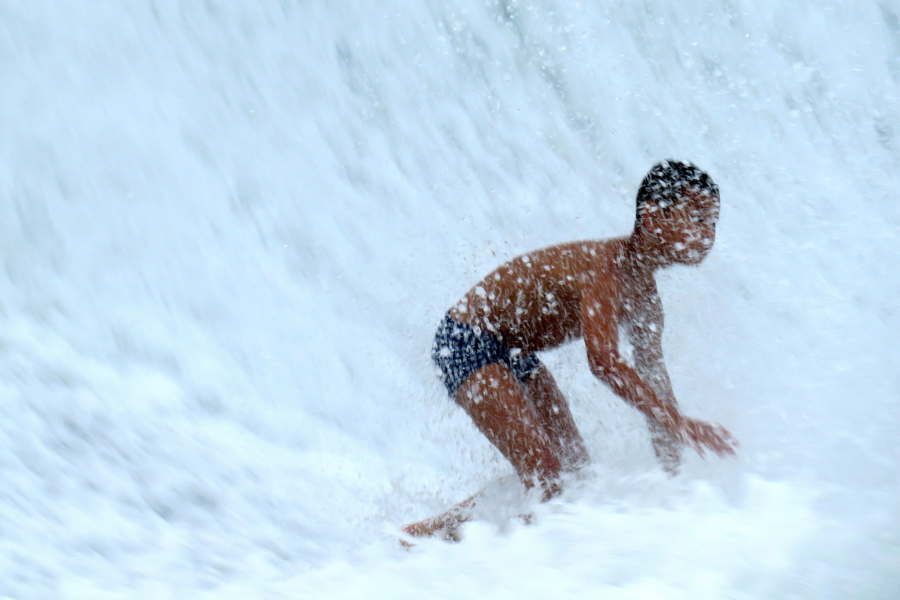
(485, 347)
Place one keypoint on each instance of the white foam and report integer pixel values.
(228, 231)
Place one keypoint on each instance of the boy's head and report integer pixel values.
(677, 211)
(665, 185)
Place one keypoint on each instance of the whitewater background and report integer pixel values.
(228, 231)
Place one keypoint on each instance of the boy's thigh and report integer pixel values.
(496, 401)
(491, 387)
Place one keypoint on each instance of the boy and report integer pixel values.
(485, 347)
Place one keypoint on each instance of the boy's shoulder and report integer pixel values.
(566, 271)
(554, 275)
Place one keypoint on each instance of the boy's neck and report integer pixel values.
(639, 257)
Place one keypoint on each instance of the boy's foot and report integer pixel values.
(445, 526)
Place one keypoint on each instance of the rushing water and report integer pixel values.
(229, 229)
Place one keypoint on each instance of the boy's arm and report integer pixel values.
(645, 334)
(646, 340)
(600, 330)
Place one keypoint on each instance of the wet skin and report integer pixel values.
(587, 290)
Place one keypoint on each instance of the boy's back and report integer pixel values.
(534, 301)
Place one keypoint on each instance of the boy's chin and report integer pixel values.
(691, 257)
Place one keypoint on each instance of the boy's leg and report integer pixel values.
(554, 415)
(496, 401)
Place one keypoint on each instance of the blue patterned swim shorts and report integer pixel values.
(461, 349)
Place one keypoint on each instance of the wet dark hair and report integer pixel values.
(667, 181)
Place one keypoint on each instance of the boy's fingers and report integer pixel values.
(726, 435)
(729, 440)
(725, 451)
(715, 437)
(718, 439)
(726, 443)
(696, 444)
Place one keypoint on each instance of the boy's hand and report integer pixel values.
(699, 433)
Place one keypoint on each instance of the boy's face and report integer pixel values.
(683, 233)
